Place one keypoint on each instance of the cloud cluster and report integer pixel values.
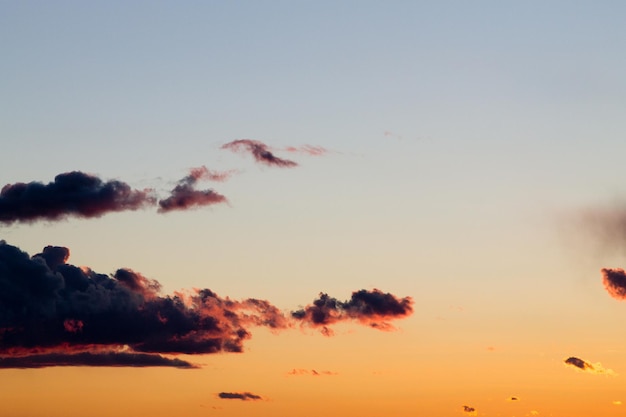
(55, 312)
(373, 308)
(70, 194)
(469, 410)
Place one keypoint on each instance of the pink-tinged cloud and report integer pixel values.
(184, 196)
(260, 152)
(307, 149)
(614, 281)
(71, 194)
(583, 365)
(373, 308)
(311, 372)
(244, 396)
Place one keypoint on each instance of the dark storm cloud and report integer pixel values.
(259, 151)
(245, 396)
(93, 359)
(58, 308)
(614, 281)
(373, 308)
(70, 194)
(184, 196)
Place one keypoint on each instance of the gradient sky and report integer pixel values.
(474, 163)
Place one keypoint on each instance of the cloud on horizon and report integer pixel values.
(260, 151)
(52, 310)
(71, 194)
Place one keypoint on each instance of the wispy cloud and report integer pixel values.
(311, 372)
(260, 151)
(583, 365)
(373, 308)
(244, 396)
(71, 194)
(184, 196)
(307, 149)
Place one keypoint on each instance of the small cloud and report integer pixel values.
(307, 149)
(260, 151)
(615, 282)
(469, 410)
(244, 396)
(512, 399)
(184, 196)
(372, 308)
(312, 372)
(582, 365)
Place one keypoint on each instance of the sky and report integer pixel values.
(301, 207)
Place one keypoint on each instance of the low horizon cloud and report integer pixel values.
(311, 372)
(53, 313)
(260, 151)
(70, 194)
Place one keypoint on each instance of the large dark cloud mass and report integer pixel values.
(184, 196)
(55, 313)
(48, 306)
(615, 282)
(373, 308)
(259, 151)
(70, 194)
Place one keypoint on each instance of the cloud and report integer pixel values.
(184, 196)
(615, 282)
(368, 307)
(311, 372)
(70, 194)
(245, 396)
(48, 306)
(53, 312)
(307, 149)
(582, 365)
(512, 399)
(259, 151)
(470, 410)
(110, 359)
